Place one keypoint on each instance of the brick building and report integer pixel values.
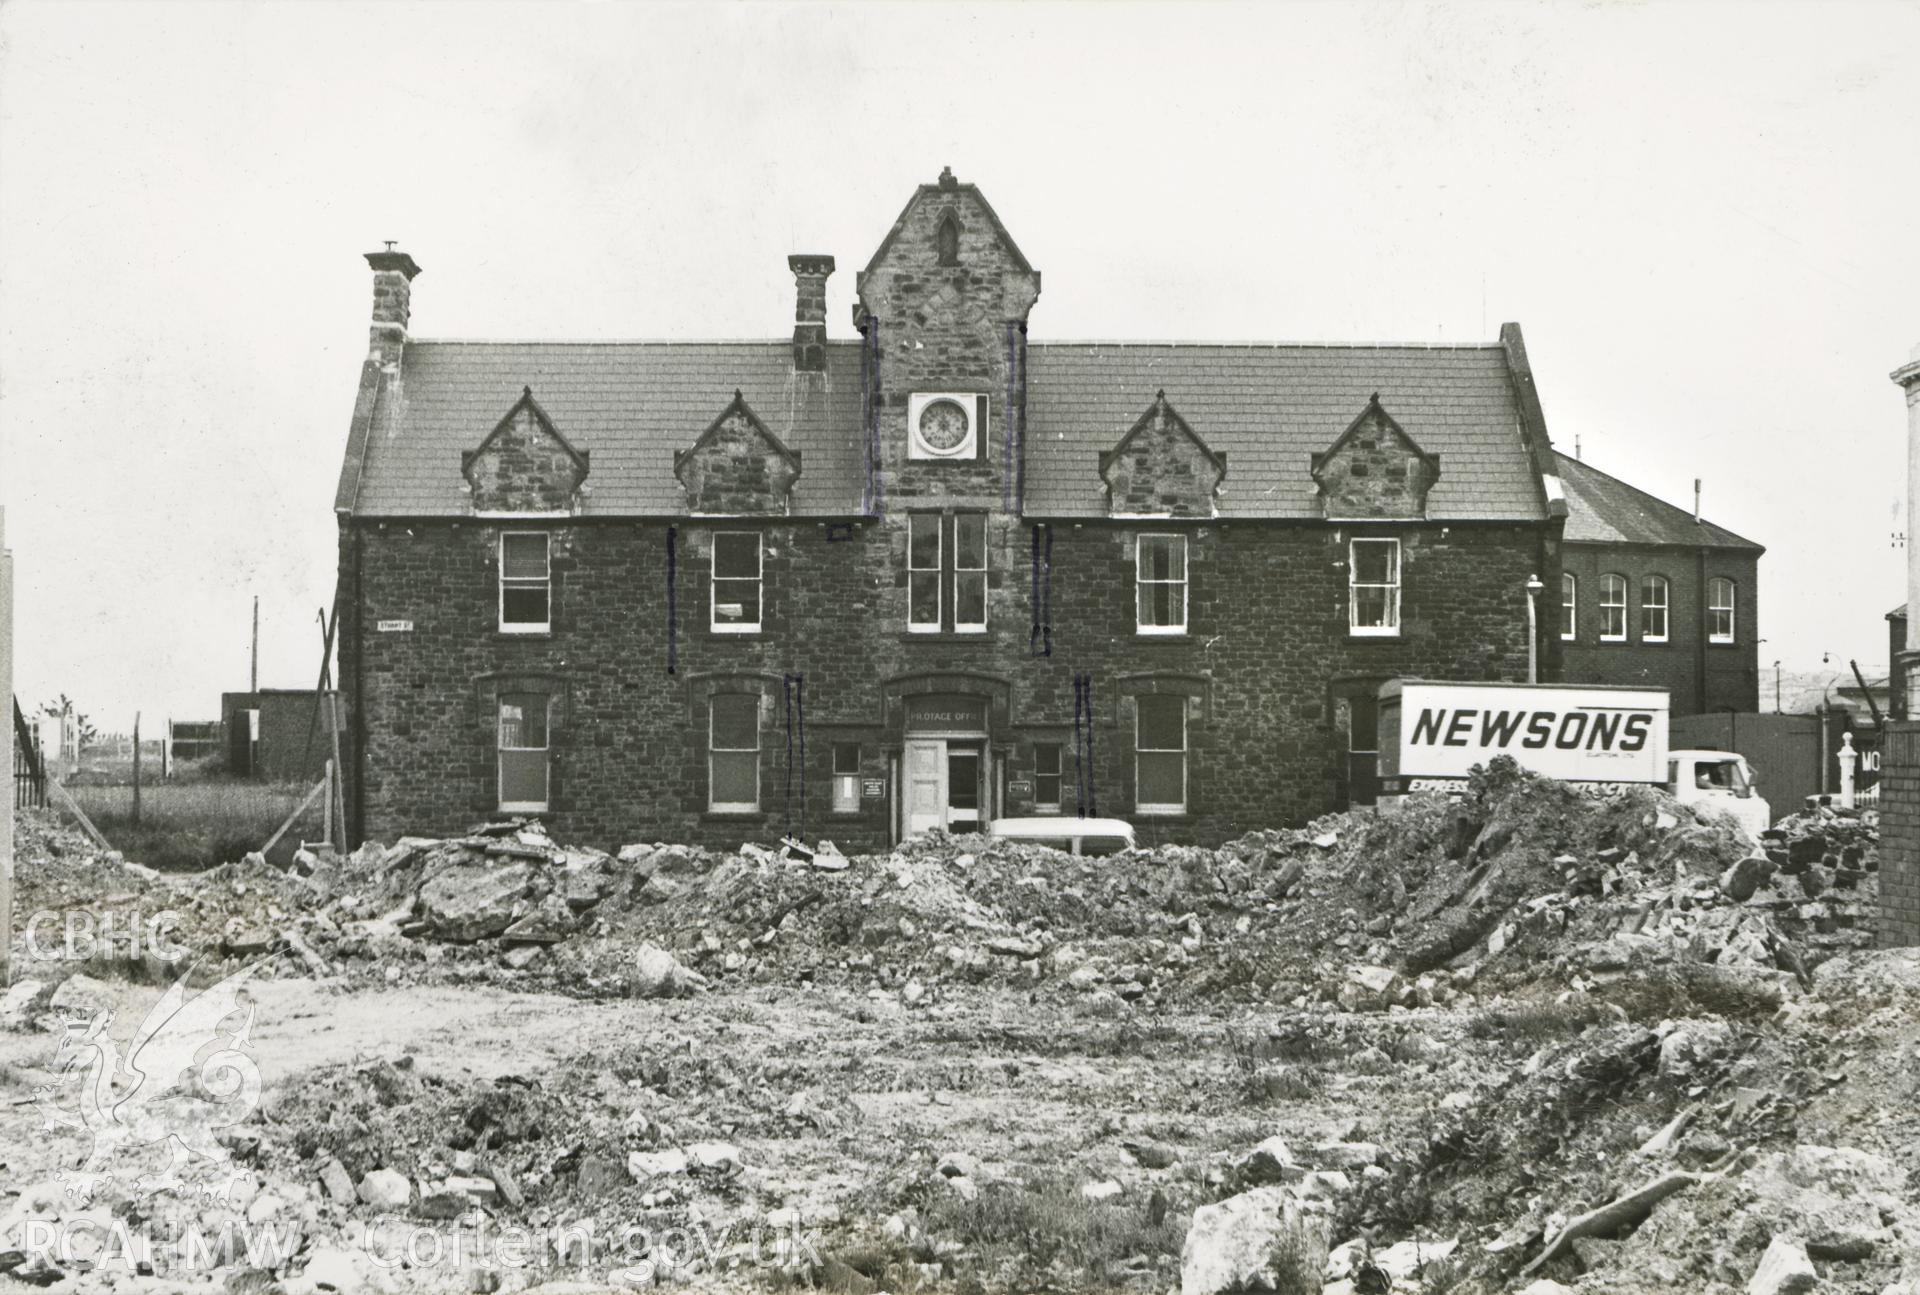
(924, 576)
(1650, 594)
(279, 734)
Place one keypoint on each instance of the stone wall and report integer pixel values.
(935, 324)
(1161, 467)
(1900, 835)
(523, 466)
(1375, 470)
(737, 466)
(1266, 650)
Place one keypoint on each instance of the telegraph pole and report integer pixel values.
(254, 686)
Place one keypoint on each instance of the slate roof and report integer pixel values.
(1268, 408)
(629, 405)
(1602, 509)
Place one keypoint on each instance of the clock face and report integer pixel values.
(943, 425)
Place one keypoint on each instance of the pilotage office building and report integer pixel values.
(920, 577)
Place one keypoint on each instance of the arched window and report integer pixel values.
(1613, 608)
(947, 241)
(1653, 609)
(1569, 606)
(1720, 610)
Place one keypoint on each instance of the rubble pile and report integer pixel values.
(1516, 1040)
(1826, 891)
(1683, 1152)
(1524, 878)
(1409, 908)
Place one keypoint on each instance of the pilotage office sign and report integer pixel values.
(946, 713)
(1572, 734)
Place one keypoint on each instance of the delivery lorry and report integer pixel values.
(1433, 733)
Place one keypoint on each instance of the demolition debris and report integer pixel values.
(1516, 1041)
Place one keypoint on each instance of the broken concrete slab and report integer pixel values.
(1258, 1240)
(468, 903)
(658, 974)
(1784, 1270)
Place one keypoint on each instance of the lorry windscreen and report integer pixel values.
(1724, 775)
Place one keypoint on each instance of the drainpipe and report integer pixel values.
(1533, 628)
(1700, 629)
(357, 828)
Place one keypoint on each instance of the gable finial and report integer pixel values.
(946, 178)
(526, 391)
(1374, 399)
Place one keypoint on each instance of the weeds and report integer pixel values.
(1696, 989)
(1045, 1222)
(185, 827)
(1536, 1023)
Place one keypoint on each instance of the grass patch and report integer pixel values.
(1045, 1223)
(185, 827)
(1536, 1022)
(1696, 989)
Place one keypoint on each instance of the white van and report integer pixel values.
(1718, 780)
(1088, 836)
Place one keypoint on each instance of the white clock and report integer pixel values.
(945, 425)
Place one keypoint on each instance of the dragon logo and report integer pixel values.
(185, 1075)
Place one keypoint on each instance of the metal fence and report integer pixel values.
(29, 789)
(1793, 756)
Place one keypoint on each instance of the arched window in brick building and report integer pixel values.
(1655, 595)
(1720, 610)
(1613, 608)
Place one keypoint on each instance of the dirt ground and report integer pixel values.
(1446, 1043)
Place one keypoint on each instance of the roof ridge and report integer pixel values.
(608, 341)
(1120, 342)
(1253, 343)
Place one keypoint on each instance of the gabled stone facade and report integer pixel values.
(943, 307)
(524, 465)
(1374, 469)
(737, 467)
(1161, 468)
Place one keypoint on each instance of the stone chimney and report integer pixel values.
(810, 275)
(392, 304)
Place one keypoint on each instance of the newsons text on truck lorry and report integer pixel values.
(1432, 734)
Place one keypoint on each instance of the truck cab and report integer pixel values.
(1718, 780)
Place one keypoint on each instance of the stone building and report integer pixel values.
(923, 576)
(1651, 594)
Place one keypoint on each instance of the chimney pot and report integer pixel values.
(810, 273)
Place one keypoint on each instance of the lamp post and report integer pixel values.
(1533, 628)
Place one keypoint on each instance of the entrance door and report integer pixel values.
(963, 789)
(926, 792)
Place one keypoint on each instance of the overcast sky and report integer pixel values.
(1702, 215)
